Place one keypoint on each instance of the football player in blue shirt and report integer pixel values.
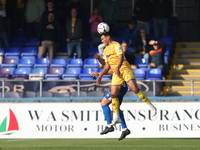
(106, 109)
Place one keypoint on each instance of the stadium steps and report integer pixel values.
(183, 83)
(186, 56)
(181, 88)
(185, 72)
(182, 67)
(180, 93)
(185, 68)
(186, 61)
(187, 50)
(188, 44)
(183, 77)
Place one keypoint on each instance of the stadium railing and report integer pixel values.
(78, 85)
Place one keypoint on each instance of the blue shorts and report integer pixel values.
(122, 92)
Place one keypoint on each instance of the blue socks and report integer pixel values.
(107, 115)
(106, 112)
(123, 123)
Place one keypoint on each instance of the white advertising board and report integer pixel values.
(86, 120)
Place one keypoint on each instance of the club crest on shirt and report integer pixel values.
(107, 56)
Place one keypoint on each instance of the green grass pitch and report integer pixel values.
(99, 144)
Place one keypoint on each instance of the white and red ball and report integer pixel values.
(103, 28)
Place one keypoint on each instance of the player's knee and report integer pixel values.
(102, 103)
(114, 95)
(136, 90)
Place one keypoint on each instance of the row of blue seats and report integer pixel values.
(71, 73)
(44, 62)
(61, 63)
(32, 52)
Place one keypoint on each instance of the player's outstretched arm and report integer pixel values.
(98, 73)
(104, 71)
(98, 57)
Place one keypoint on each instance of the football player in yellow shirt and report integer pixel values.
(115, 60)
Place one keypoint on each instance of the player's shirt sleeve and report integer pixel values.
(118, 49)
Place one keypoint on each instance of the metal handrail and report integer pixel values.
(79, 82)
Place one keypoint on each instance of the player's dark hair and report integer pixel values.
(107, 34)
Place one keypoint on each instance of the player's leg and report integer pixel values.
(133, 86)
(106, 110)
(125, 130)
(107, 113)
(115, 102)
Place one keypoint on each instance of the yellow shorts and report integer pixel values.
(126, 75)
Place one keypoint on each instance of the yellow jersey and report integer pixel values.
(111, 53)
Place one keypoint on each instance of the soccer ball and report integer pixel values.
(103, 27)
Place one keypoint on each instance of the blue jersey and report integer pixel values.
(122, 92)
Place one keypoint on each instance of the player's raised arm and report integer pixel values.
(98, 57)
(104, 71)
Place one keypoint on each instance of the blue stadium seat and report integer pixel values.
(166, 59)
(92, 51)
(12, 51)
(38, 70)
(21, 73)
(58, 63)
(37, 73)
(91, 63)
(139, 73)
(41, 63)
(26, 63)
(54, 73)
(74, 63)
(71, 73)
(85, 73)
(29, 52)
(31, 42)
(141, 62)
(9, 62)
(6, 73)
(154, 74)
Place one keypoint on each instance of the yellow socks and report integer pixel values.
(115, 105)
(141, 95)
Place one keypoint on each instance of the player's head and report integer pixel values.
(106, 38)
